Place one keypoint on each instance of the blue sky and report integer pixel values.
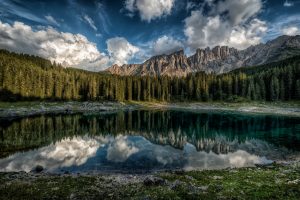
(97, 33)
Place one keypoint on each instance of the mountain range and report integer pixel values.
(220, 59)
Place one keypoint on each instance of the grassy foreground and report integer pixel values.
(270, 182)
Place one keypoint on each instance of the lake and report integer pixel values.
(146, 141)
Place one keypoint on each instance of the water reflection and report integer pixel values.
(120, 149)
(66, 153)
(123, 153)
(146, 140)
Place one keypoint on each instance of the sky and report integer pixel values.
(95, 34)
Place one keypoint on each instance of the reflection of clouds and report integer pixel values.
(263, 148)
(167, 155)
(190, 159)
(120, 149)
(203, 160)
(134, 152)
(65, 153)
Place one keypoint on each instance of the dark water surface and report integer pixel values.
(139, 141)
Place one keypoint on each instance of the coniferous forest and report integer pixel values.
(25, 77)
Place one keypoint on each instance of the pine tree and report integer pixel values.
(274, 88)
(282, 90)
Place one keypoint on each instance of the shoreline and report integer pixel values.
(283, 109)
(271, 181)
(274, 181)
(26, 109)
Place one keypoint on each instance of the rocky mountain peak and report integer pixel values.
(219, 59)
(218, 52)
(293, 42)
(178, 53)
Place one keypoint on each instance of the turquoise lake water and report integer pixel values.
(143, 141)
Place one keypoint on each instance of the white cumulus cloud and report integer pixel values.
(292, 30)
(120, 50)
(238, 10)
(229, 22)
(66, 48)
(284, 24)
(245, 36)
(166, 45)
(150, 9)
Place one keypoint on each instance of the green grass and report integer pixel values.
(244, 184)
(280, 182)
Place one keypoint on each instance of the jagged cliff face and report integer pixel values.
(175, 64)
(218, 60)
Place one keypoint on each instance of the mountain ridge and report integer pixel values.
(220, 59)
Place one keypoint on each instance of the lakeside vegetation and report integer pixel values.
(24, 77)
(270, 182)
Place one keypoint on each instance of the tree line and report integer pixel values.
(25, 77)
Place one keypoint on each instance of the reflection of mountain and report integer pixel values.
(220, 145)
(123, 153)
(220, 133)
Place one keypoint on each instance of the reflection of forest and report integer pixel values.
(217, 132)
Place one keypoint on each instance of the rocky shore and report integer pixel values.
(285, 109)
(23, 109)
(276, 181)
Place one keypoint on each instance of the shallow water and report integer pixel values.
(141, 141)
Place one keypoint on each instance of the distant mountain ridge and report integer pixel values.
(220, 59)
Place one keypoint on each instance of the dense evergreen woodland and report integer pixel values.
(24, 77)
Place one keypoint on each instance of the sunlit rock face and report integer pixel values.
(175, 64)
(220, 59)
